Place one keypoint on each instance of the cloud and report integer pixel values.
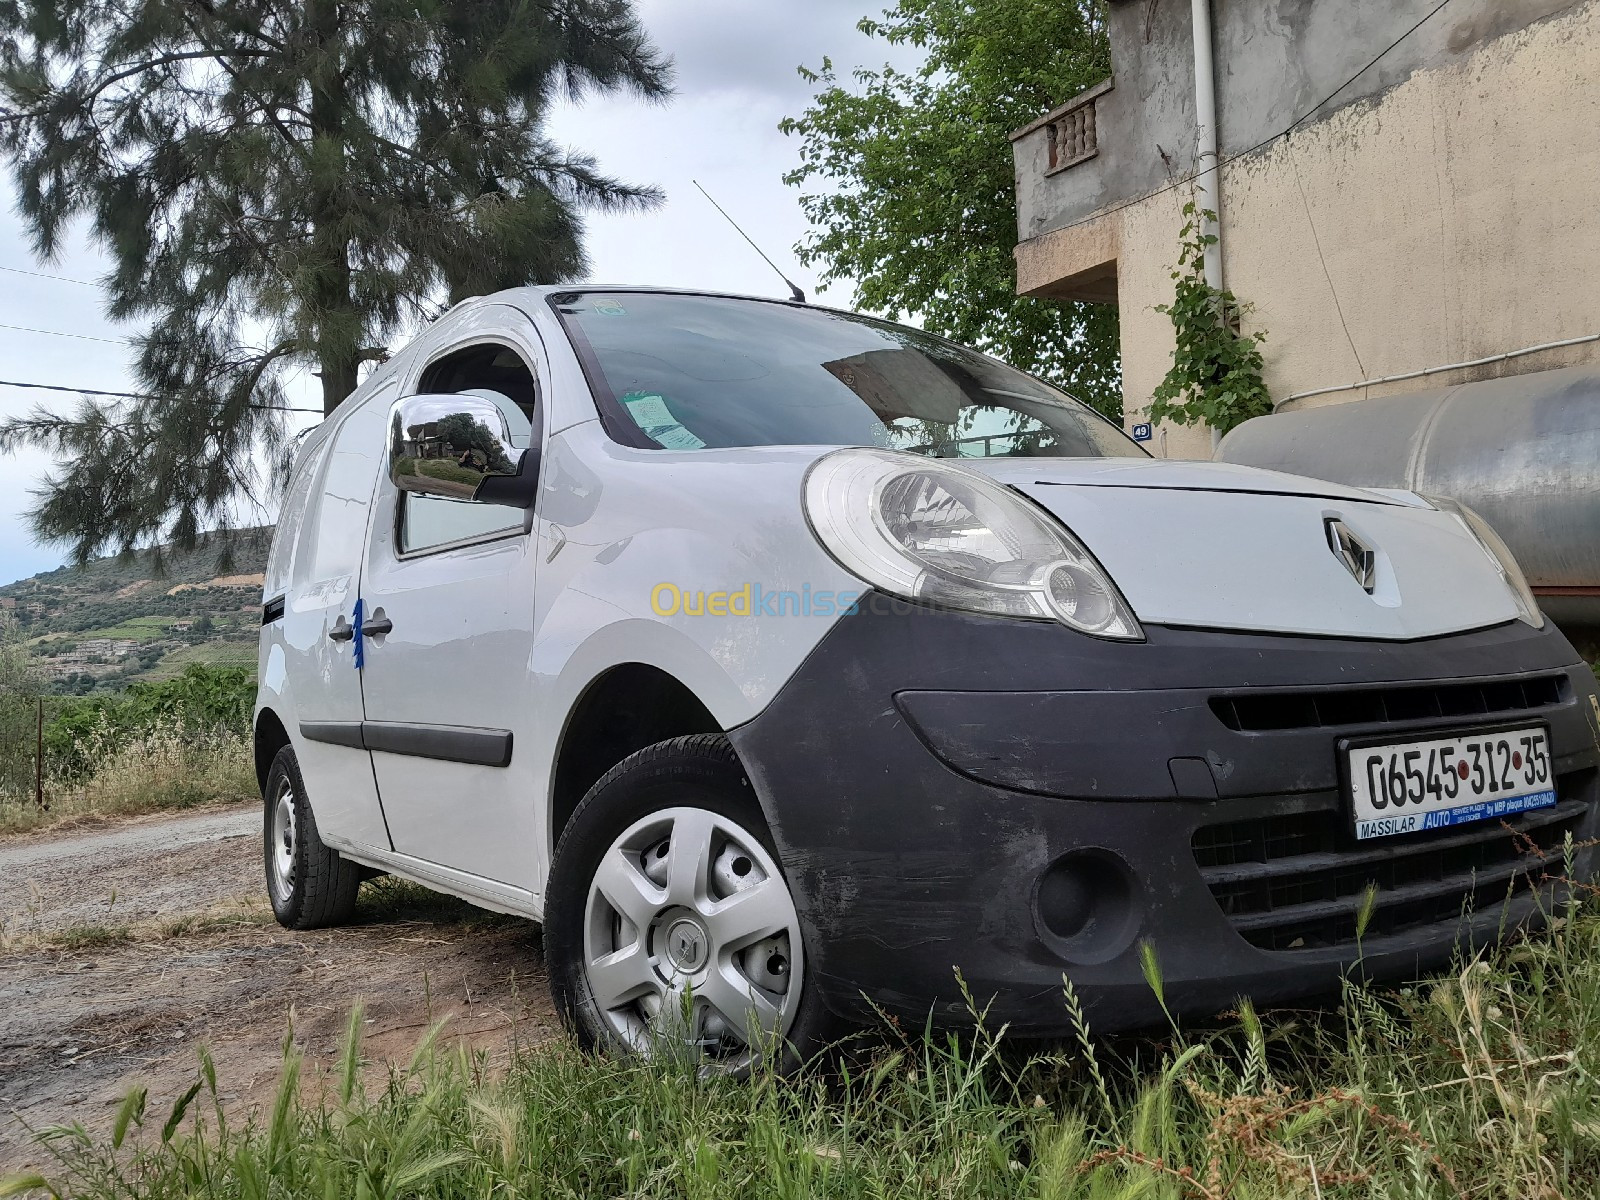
(755, 46)
(736, 81)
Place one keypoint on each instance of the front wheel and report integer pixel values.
(669, 922)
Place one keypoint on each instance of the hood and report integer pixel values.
(1219, 546)
(1181, 476)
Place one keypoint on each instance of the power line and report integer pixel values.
(1267, 141)
(82, 337)
(1316, 243)
(58, 278)
(51, 387)
(56, 387)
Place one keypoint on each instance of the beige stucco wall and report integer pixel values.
(1144, 279)
(1458, 215)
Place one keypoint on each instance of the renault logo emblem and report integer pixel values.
(686, 946)
(1358, 557)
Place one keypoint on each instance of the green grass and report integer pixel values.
(390, 901)
(92, 937)
(448, 471)
(235, 913)
(240, 643)
(1483, 1082)
(138, 629)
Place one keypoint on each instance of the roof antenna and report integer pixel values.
(795, 293)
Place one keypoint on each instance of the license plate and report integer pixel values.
(1409, 787)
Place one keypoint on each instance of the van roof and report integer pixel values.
(541, 291)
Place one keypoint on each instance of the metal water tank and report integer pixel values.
(1524, 451)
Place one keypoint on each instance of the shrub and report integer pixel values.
(203, 699)
(20, 689)
(163, 766)
(166, 766)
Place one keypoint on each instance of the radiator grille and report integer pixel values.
(1260, 711)
(1298, 881)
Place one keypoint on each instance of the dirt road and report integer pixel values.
(123, 949)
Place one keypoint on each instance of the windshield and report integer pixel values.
(684, 372)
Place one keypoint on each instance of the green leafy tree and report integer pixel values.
(283, 184)
(1215, 377)
(910, 181)
(463, 432)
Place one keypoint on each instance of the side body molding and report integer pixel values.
(451, 743)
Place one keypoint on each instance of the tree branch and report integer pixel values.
(238, 26)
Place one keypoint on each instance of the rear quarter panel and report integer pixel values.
(272, 690)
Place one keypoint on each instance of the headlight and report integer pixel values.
(926, 529)
(1499, 554)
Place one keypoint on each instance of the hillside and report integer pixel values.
(116, 619)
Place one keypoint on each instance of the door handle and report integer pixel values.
(342, 630)
(376, 626)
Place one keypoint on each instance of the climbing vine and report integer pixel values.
(1215, 378)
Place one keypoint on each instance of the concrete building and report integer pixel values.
(106, 648)
(1434, 207)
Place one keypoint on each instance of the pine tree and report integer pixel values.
(281, 184)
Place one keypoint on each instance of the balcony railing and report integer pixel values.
(1070, 130)
(1072, 138)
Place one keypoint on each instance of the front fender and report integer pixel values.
(617, 525)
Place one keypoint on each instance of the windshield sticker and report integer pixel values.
(649, 409)
(650, 413)
(676, 437)
(604, 306)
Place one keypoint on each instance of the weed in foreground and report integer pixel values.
(1481, 1082)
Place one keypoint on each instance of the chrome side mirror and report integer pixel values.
(461, 447)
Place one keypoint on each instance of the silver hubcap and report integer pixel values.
(285, 835)
(691, 936)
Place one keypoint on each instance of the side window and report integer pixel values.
(287, 537)
(496, 373)
(342, 503)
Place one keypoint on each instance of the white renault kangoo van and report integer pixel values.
(793, 667)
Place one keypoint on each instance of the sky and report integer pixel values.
(736, 80)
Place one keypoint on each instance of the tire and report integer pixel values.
(668, 976)
(310, 886)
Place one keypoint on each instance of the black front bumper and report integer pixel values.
(1015, 802)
